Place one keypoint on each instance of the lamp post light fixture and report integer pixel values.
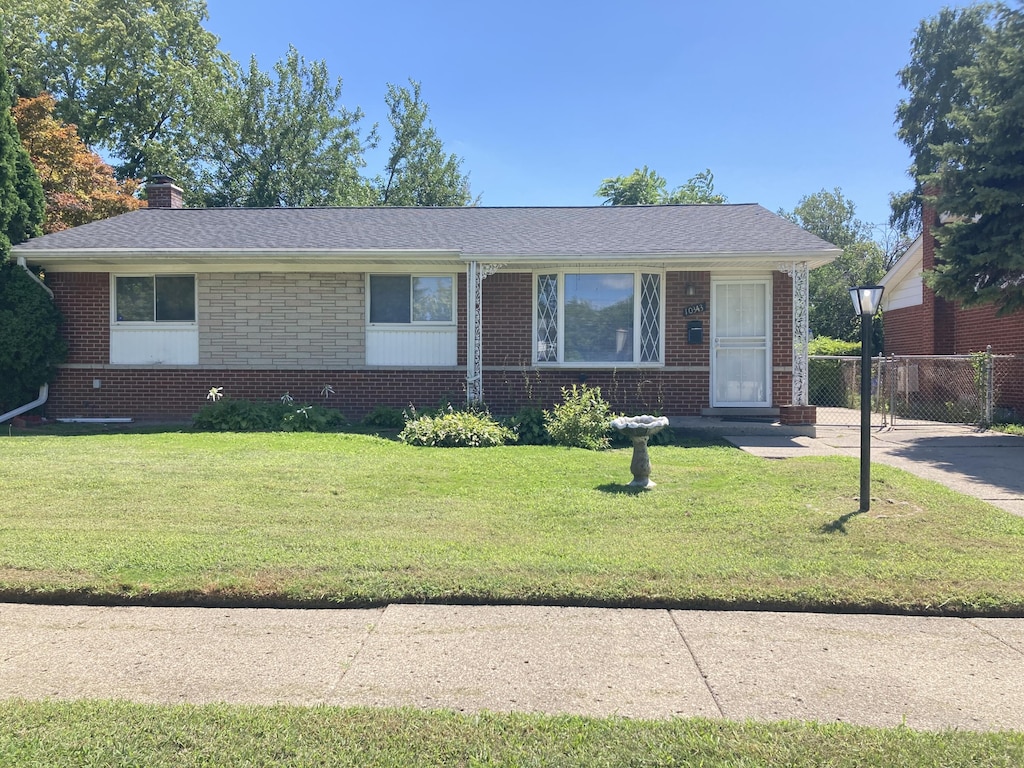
(866, 300)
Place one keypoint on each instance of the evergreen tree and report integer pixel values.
(21, 195)
(30, 344)
(979, 182)
(941, 47)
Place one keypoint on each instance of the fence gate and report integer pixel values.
(977, 389)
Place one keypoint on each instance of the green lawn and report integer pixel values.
(344, 519)
(117, 734)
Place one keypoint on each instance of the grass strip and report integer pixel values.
(108, 734)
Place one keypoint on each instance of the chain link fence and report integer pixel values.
(977, 389)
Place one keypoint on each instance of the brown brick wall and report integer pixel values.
(905, 331)
(177, 393)
(678, 350)
(978, 327)
(507, 318)
(782, 338)
(84, 300)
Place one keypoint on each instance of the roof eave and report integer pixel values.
(253, 259)
(688, 261)
(107, 259)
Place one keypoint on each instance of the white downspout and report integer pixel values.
(44, 390)
(30, 273)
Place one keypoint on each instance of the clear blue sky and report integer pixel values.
(542, 100)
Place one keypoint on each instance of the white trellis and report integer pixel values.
(799, 273)
(475, 275)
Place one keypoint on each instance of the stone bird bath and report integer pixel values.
(639, 429)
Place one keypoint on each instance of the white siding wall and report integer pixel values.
(169, 344)
(907, 293)
(415, 346)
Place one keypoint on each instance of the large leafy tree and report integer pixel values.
(979, 179)
(646, 187)
(418, 170)
(285, 141)
(139, 78)
(146, 84)
(79, 187)
(832, 217)
(942, 46)
(21, 195)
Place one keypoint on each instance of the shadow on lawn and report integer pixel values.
(839, 524)
(623, 489)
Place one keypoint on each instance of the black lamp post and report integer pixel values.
(866, 299)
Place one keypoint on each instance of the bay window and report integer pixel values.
(598, 318)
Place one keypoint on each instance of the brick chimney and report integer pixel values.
(162, 192)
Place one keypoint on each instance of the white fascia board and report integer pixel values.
(670, 260)
(235, 260)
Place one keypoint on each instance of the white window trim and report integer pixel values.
(167, 325)
(418, 324)
(637, 292)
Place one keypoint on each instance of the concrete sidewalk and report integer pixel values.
(986, 465)
(926, 673)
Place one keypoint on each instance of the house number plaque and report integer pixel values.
(695, 309)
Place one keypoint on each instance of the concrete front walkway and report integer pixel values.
(987, 465)
(926, 673)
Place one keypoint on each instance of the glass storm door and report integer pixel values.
(741, 349)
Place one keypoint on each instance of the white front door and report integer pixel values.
(741, 343)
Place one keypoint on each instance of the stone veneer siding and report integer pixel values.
(281, 320)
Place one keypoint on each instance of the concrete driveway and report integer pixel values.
(987, 465)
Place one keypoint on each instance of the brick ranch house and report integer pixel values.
(683, 310)
(917, 322)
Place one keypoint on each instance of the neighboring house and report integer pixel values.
(917, 322)
(682, 310)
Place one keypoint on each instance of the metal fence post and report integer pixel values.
(990, 390)
(893, 387)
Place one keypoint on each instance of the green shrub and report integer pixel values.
(455, 429)
(528, 424)
(384, 417)
(825, 384)
(231, 415)
(825, 345)
(309, 418)
(582, 420)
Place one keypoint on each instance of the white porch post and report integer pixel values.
(801, 303)
(475, 274)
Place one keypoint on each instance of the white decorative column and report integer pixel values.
(475, 275)
(798, 272)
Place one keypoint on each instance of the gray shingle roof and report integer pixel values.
(484, 232)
